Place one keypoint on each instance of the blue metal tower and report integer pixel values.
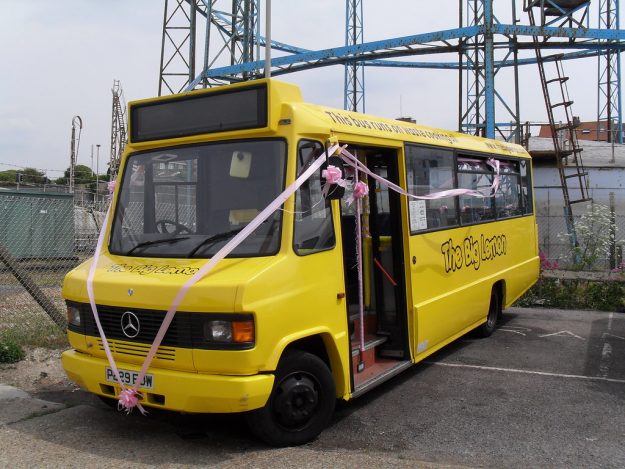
(609, 113)
(485, 46)
(478, 69)
(354, 71)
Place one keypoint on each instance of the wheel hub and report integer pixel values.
(296, 400)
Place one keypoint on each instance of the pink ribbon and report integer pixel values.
(352, 161)
(495, 164)
(361, 307)
(111, 185)
(129, 397)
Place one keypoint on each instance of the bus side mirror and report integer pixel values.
(335, 191)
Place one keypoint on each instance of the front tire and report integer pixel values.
(494, 313)
(301, 403)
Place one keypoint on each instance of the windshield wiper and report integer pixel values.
(213, 239)
(155, 241)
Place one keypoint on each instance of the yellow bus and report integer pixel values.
(287, 323)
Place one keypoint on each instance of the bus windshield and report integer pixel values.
(189, 201)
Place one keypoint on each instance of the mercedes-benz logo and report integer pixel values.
(130, 324)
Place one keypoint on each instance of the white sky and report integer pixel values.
(59, 59)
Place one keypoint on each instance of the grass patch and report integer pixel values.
(47, 335)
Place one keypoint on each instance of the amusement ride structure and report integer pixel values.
(543, 33)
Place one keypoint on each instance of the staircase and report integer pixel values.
(369, 367)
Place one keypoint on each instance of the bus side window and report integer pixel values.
(508, 200)
(430, 170)
(526, 187)
(313, 230)
(474, 174)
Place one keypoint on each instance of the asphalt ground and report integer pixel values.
(547, 389)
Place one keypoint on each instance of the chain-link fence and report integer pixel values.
(553, 229)
(42, 237)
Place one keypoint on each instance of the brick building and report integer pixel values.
(593, 130)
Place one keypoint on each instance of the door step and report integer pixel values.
(370, 343)
(383, 370)
(368, 358)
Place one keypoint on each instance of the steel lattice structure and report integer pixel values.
(230, 37)
(609, 72)
(119, 129)
(354, 71)
(484, 44)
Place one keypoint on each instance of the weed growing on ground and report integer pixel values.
(575, 294)
(10, 351)
(593, 238)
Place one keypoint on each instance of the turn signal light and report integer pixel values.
(243, 331)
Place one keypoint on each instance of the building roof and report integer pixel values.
(594, 154)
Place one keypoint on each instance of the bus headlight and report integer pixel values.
(227, 331)
(218, 331)
(73, 315)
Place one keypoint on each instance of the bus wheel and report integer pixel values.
(494, 313)
(301, 403)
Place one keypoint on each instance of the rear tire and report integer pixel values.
(301, 403)
(494, 313)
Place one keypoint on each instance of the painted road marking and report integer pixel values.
(511, 330)
(514, 329)
(606, 352)
(605, 335)
(527, 372)
(562, 334)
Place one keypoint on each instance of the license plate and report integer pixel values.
(129, 378)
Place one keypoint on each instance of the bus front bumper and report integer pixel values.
(174, 390)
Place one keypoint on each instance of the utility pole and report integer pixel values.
(97, 171)
(73, 150)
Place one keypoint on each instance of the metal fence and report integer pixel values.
(552, 227)
(42, 237)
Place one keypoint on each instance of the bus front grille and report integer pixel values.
(137, 350)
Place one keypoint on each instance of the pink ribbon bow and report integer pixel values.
(360, 190)
(128, 400)
(332, 175)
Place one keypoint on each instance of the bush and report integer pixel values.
(575, 294)
(10, 352)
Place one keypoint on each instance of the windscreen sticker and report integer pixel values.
(473, 251)
(153, 269)
(418, 215)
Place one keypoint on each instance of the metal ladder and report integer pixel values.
(563, 132)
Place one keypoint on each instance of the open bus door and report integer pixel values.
(384, 285)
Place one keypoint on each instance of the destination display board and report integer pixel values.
(235, 109)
